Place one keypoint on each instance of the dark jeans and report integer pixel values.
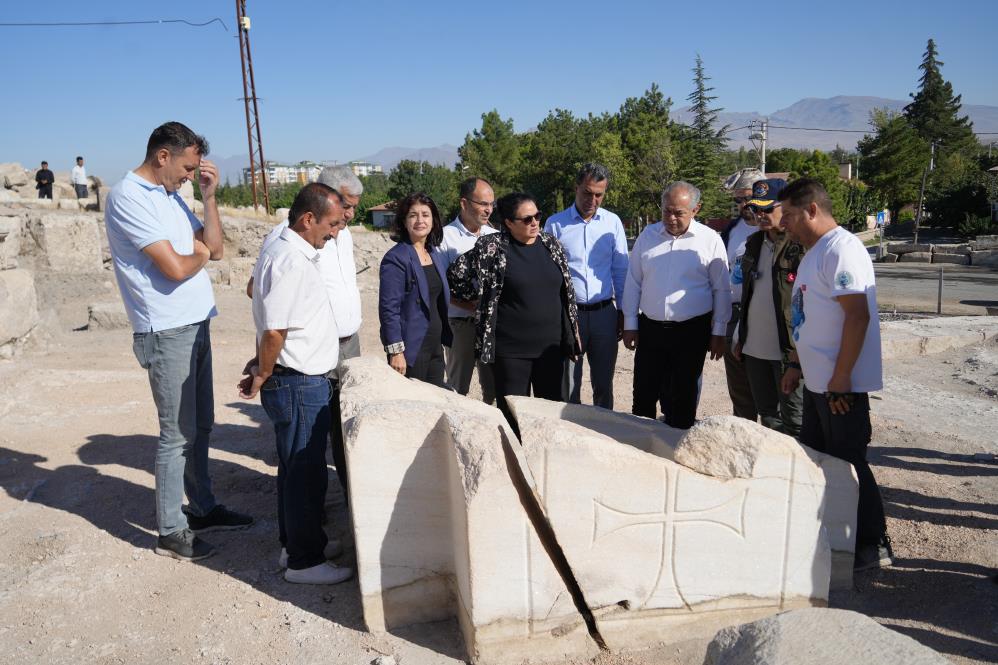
(349, 348)
(81, 191)
(847, 437)
(299, 408)
(45, 191)
(778, 410)
(517, 376)
(667, 364)
(739, 391)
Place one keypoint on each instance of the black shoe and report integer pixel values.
(219, 519)
(869, 557)
(183, 545)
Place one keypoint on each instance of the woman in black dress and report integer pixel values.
(527, 322)
(413, 295)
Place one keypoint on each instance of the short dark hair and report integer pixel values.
(401, 234)
(313, 198)
(805, 191)
(468, 186)
(175, 137)
(78, 158)
(44, 163)
(507, 205)
(593, 171)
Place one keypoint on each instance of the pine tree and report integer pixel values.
(701, 146)
(934, 110)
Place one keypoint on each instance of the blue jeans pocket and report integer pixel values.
(276, 400)
(315, 395)
(140, 347)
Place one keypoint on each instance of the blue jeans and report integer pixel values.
(298, 406)
(178, 361)
(598, 334)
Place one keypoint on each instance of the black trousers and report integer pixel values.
(667, 363)
(847, 437)
(517, 376)
(429, 364)
(45, 192)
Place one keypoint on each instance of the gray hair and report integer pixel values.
(744, 179)
(593, 171)
(342, 179)
(685, 187)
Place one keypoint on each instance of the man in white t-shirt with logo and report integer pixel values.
(837, 333)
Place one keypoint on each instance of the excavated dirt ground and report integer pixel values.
(79, 581)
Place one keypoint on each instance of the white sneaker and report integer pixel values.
(324, 573)
(333, 549)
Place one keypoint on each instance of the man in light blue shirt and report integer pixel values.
(160, 250)
(596, 247)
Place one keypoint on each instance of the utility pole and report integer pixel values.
(761, 136)
(252, 112)
(921, 196)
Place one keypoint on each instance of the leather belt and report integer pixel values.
(281, 370)
(592, 307)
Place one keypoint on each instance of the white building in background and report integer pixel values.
(365, 168)
(286, 174)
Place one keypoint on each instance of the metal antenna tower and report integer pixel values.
(252, 112)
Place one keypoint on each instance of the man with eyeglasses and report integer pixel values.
(596, 247)
(734, 237)
(477, 203)
(768, 262)
(677, 301)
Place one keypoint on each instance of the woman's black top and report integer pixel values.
(528, 321)
(435, 287)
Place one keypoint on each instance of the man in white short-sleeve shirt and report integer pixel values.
(159, 250)
(296, 349)
(837, 333)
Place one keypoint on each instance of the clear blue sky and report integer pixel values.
(343, 80)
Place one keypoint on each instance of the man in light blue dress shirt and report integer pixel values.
(596, 247)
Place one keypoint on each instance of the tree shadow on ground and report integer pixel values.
(916, 507)
(950, 464)
(953, 596)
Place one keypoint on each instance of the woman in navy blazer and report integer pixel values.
(412, 303)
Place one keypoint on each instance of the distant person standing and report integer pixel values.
(594, 242)
(80, 179)
(160, 249)
(734, 237)
(837, 332)
(677, 300)
(477, 203)
(43, 181)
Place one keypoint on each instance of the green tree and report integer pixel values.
(438, 182)
(549, 155)
(893, 159)
(701, 146)
(608, 150)
(643, 124)
(818, 165)
(493, 152)
(934, 110)
(375, 193)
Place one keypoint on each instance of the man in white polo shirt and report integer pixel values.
(160, 250)
(837, 333)
(477, 202)
(340, 276)
(678, 279)
(296, 349)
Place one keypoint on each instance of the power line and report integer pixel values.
(112, 23)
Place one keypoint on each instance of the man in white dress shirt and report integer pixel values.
(340, 276)
(677, 301)
(80, 179)
(296, 350)
(477, 203)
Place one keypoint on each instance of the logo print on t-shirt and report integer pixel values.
(797, 311)
(844, 279)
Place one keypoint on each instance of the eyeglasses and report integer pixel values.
(529, 219)
(766, 210)
(488, 205)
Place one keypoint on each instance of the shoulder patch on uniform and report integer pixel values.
(844, 279)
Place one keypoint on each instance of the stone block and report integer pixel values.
(243, 236)
(67, 243)
(889, 258)
(987, 258)
(919, 337)
(220, 272)
(817, 637)
(595, 528)
(18, 309)
(963, 248)
(107, 316)
(957, 259)
(240, 270)
(10, 241)
(68, 204)
(916, 257)
(187, 193)
(14, 176)
(907, 247)
(984, 242)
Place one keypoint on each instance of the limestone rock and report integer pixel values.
(917, 337)
(10, 242)
(68, 204)
(907, 248)
(18, 308)
(240, 270)
(817, 637)
(187, 193)
(916, 257)
(957, 259)
(67, 243)
(107, 316)
(889, 258)
(984, 243)
(14, 176)
(987, 258)
(963, 248)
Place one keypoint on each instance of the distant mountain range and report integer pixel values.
(841, 112)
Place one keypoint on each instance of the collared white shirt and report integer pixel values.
(674, 278)
(79, 175)
(289, 294)
(458, 240)
(339, 272)
(596, 250)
